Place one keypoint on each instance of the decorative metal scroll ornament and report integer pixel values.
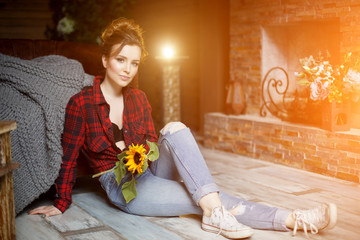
(273, 93)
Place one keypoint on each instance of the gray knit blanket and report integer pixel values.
(34, 93)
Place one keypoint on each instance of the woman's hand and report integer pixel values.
(46, 210)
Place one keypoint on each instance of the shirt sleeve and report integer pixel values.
(72, 141)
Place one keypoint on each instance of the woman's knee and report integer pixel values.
(172, 127)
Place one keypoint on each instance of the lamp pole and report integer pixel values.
(171, 99)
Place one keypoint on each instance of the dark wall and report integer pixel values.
(175, 22)
(199, 29)
(24, 18)
(213, 56)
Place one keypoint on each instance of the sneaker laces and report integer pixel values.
(222, 218)
(306, 218)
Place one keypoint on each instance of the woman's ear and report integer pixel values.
(104, 60)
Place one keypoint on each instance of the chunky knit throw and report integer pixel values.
(34, 93)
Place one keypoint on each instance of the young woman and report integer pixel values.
(103, 120)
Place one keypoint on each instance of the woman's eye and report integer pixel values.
(135, 64)
(121, 60)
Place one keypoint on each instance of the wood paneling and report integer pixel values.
(25, 19)
(7, 207)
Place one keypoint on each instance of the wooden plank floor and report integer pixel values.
(92, 217)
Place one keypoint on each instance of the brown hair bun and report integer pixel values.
(124, 32)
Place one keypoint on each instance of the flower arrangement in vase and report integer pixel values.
(331, 82)
(333, 86)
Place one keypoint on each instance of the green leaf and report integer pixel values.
(144, 166)
(303, 82)
(129, 190)
(307, 68)
(120, 171)
(153, 153)
(121, 155)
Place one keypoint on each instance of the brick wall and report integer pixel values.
(335, 154)
(247, 17)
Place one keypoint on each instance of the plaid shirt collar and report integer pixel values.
(99, 98)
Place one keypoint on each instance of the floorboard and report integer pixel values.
(91, 216)
(129, 226)
(99, 235)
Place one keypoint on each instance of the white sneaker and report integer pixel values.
(223, 222)
(319, 218)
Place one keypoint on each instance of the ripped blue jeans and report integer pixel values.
(161, 193)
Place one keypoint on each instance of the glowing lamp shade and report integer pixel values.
(168, 52)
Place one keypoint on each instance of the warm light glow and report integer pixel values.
(168, 52)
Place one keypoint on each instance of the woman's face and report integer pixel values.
(121, 68)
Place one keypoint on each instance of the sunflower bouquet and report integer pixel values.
(136, 161)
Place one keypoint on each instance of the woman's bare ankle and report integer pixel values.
(209, 202)
(290, 221)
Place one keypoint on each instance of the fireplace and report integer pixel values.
(282, 47)
(267, 35)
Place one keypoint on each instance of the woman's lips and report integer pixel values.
(124, 78)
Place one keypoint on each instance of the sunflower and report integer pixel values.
(135, 158)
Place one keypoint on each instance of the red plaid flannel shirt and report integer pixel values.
(88, 128)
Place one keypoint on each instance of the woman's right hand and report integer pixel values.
(46, 210)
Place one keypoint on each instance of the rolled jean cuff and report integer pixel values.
(280, 218)
(204, 190)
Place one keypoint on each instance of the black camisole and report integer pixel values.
(118, 133)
